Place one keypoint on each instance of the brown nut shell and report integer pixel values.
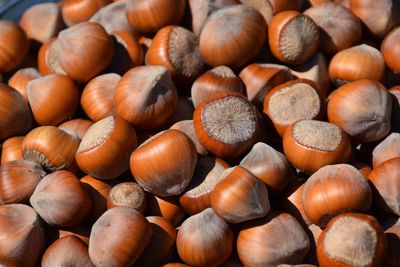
(391, 49)
(167, 207)
(177, 49)
(362, 109)
(380, 17)
(259, 79)
(50, 147)
(12, 149)
(222, 39)
(226, 124)
(335, 189)
(216, 80)
(162, 240)
(197, 196)
(385, 179)
(20, 79)
(15, 115)
(53, 98)
(165, 163)
(61, 200)
(129, 195)
(76, 11)
(204, 239)
(151, 15)
(146, 96)
(42, 21)
(118, 237)
(76, 126)
(14, 45)
(240, 196)
(276, 239)
(310, 145)
(22, 234)
(18, 180)
(97, 96)
(340, 28)
(98, 192)
(84, 50)
(355, 63)
(293, 37)
(351, 239)
(67, 251)
(105, 148)
(268, 165)
(293, 101)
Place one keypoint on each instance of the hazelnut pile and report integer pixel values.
(201, 133)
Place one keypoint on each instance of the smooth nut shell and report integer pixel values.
(276, 239)
(12, 149)
(22, 235)
(61, 200)
(76, 11)
(113, 17)
(335, 189)
(280, 32)
(67, 251)
(222, 41)
(84, 50)
(20, 79)
(162, 240)
(240, 196)
(53, 98)
(204, 239)
(167, 207)
(105, 148)
(98, 192)
(391, 49)
(15, 115)
(310, 159)
(165, 163)
(197, 196)
(50, 147)
(146, 96)
(340, 28)
(119, 237)
(216, 80)
(97, 96)
(355, 63)
(177, 49)
(268, 165)
(385, 181)
(14, 45)
(362, 109)
(152, 15)
(18, 180)
(379, 17)
(42, 21)
(76, 126)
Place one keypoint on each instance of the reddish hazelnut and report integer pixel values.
(351, 239)
(310, 145)
(105, 148)
(204, 239)
(165, 163)
(226, 124)
(335, 189)
(61, 200)
(119, 237)
(222, 39)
